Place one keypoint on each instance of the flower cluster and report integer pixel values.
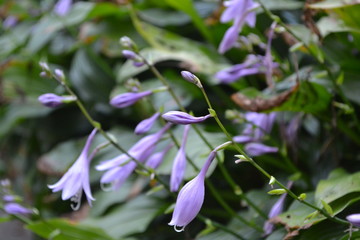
(257, 126)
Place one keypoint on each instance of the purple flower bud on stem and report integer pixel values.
(188, 76)
(16, 209)
(190, 198)
(126, 42)
(129, 54)
(179, 117)
(146, 124)
(179, 165)
(52, 100)
(127, 99)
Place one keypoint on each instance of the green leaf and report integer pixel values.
(282, 4)
(129, 218)
(62, 229)
(188, 7)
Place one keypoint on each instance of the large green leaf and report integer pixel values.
(60, 229)
(129, 218)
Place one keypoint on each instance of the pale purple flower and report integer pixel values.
(62, 7)
(127, 99)
(10, 22)
(129, 54)
(119, 168)
(257, 126)
(52, 100)
(354, 219)
(190, 198)
(179, 165)
(291, 130)
(190, 77)
(256, 149)
(179, 117)
(253, 64)
(16, 209)
(275, 210)
(8, 198)
(241, 12)
(268, 62)
(76, 179)
(156, 159)
(146, 124)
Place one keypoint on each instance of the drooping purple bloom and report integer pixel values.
(253, 64)
(275, 210)
(156, 159)
(62, 7)
(179, 165)
(146, 124)
(127, 99)
(16, 209)
(52, 100)
(241, 12)
(76, 179)
(190, 198)
(256, 149)
(179, 117)
(354, 219)
(257, 126)
(120, 167)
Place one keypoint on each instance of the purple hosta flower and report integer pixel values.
(127, 99)
(256, 149)
(146, 124)
(156, 159)
(354, 219)
(52, 100)
(10, 22)
(62, 7)
(8, 198)
(258, 125)
(253, 64)
(275, 210)
(138, 61)
(241, 12)
(179, 165)
(119, 168)
(190, 77)
(76, 179)
(179, 117)
(190, 198)
(16, 209)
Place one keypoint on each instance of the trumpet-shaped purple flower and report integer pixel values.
(16, 209)
(127, 99)
(178, 117)
(179, 165)
(76, 179)
(62, 7)
(115, 173)
(241, 12)
(256, 149)
(354, 219)
(52, 100)
(190, 198)
(146, 124)
(156, 159)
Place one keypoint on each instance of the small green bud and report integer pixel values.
(272, 180)
(241, 158)
(278, 191)
(212, 112)
(302, 197)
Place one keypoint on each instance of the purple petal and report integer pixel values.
(62, 7)
(354, 219)
(127, 99)
(146, 124)
(178, 117)
(15, 209)
(229, 39)
(257, 149)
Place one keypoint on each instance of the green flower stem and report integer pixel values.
(322, 63)
(236, 188)
(263, 171)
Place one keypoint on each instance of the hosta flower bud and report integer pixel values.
(188, 76)
(52, 100)
(146, 124)
(183, 118)
(127, 99)
(354, 219)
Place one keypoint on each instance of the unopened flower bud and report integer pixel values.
(127, 99)
(188, 76)
(44, 66)
(52, 100)
(178, 117)
(354, 219)
(278, 191)
(59, 75)
(126, 42)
